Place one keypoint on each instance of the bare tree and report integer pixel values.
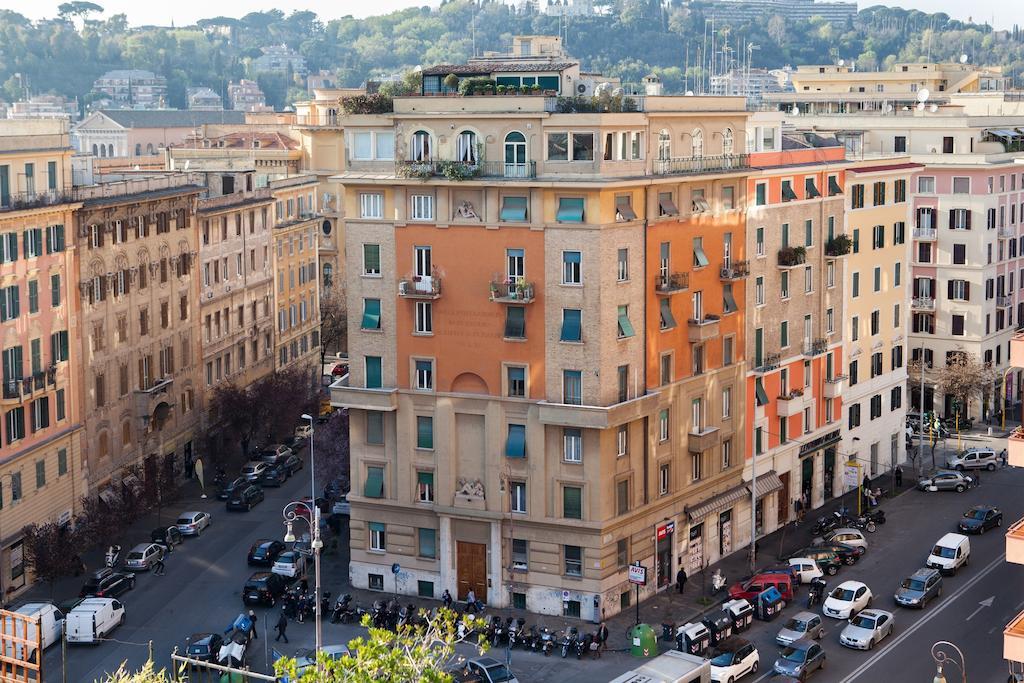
(99, 524)
(331, 449)
(965, 377)
(333, 321)
(52, 551)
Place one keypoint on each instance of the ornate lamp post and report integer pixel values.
(941, 657)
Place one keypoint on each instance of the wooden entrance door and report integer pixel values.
(471, 565)
(784, 498)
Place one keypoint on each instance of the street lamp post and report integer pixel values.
(941, 658)
(316, 544)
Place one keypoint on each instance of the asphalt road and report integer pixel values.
(201, 592)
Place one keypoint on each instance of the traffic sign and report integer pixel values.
(395, 568)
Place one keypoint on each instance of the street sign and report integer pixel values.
(395, 568)
(851, 475)
(638, 574)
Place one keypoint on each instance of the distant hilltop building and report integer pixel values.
(128, 133)
(279, 59)
(791, 10)
(132, 89)
(247, 96)
(568, 8)
(44, 107)
(321, 81)
(204, 99)
(750, 83)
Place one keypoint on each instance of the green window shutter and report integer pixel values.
(33, 296)
(549, 83)
(856, 240)
(728, 301)
(515, 322)
(371, 314)
(572, 502)
(699, 257)
(374, 483)
(570, 210)
(424, 431)
(833, 186)
(55, 290)
(515, 445)
(667, 320)
(785, 235)
(371, 258)
(761, 199)
(373, 372)
(425, 478)
(513, 209)
(762, 396)
(625, 327)
(758, 347)
(571, 325)
(427, 546)
(64, 345)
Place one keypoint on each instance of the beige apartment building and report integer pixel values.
(42, 420)
(295, 266)
(236, 290)
(138, 283)
(877, 302)
(546, 345)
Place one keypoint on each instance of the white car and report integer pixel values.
(806, 569)
(734, 658)
(867, 628)
(193, 522)
(846, 600)
(290, 563)
(253, 469)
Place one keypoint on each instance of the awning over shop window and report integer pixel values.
(769, 482)
(719, 503)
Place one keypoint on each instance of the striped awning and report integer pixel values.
(722, 501)
(768, 482)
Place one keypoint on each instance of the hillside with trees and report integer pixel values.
(630, 39)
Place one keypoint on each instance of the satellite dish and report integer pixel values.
(796, 110)
(689, 93)
(888, 108)
(923, 95)
(934, 108)
(920, 106)
(842, 62)
(963, 59)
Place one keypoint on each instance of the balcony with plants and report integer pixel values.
(512, 291)
(792, 403)
(672, 283)
(791, 257)
(840, 245)
(734, 270)
(420, 286)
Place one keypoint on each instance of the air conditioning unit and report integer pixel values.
(402, 287)
(209, 295)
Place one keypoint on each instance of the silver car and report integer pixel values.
(945, 481)
(974, 459)
(852, 537)
(867, 628)
(918, 588)
(193, 522)
(800, 625)
(143, 556)
(800, 659)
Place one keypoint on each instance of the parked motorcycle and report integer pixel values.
(379, 614)
(517, 633)
(569, 641)
(718, 581)
(815, 592)
(495, 628)
(547, 641)
(582, 644)
(112, 556)
(533, 637)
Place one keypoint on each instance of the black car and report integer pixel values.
(106, 583)
(230, 487)
(980, 519)
(847, 553)
(204, 646)
(292, 463)
(275, 475)
(263, 588)
(244, 499)
(296, 443)
(264, 552)
(167, 536)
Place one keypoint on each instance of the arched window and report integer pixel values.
(149, 148)
(727, 141)
(515, 155)
(104, 445)
(110, 150)
(138, 149)
(328, 275)
(421, 146)
(126, 433)
(698, 143)
(664, 146)
(465, 147)
(95, 150)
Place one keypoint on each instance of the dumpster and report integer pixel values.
(719, 624)
(693, 639)
(643, 641)
(768, 604)
(741, 612)
(668, 631)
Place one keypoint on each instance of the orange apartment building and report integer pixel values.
(546, 343)
(794, 380)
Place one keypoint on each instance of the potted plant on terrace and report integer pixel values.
(451, 83)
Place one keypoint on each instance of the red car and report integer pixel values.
(340, 369)
(752, 587)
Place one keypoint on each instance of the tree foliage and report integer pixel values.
(650, 36)
(331, 453)
(965, 377)
(52, 551)
(333, 320)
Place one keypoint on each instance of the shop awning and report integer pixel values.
(108, 497)
(1003, 133)
(769, 482)
(715, 504)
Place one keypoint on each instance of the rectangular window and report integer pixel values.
(622, 440)
(625, 327)
(726, 403)
(573, 560)
(572, 330)
(760, 194)
(759, 245)
(700, 259)
(515, 443)
(513, 209)
(425, 375)
(663, 425)
(571, 268)
(378, 540)
(371, 205)
(371, 314)
(427, 544)
(570, 210)
(424, 317)
(572, 387)
(572, 502)
(374, 378)
(374, 428)
(516, 382)
(572, 445)
(374, 487)
(422, 207)
(517, 496)
(425, 432)
(371, 259)
(622, 497)
(623, 265)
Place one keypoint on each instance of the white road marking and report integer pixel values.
(935, 612)
(987, 602)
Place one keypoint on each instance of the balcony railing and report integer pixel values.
(734, 270)
(420, 287)
(1004, 301)
(512, 292)
(816, 347)
(926, 234)
(666, 285)
(922, 303)
(33, 200)
(703, 330)
(790, 257)
(838, 246)
(1007, 232)
(12, 388)
(465, 170)
(769, 362)
(697, 165)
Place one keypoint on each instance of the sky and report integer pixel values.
(1004, 13)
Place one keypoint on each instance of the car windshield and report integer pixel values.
(796, 625)
(184, 520)
(863, 622)
(943, 551)
(134, 556)
(913, 584)
(843, 594)
(794, 654)
(724, 659)
(975, 514)
(499, 673)
(286, 557)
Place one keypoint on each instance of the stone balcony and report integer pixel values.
(834, 387)
(926, 234)
(792, 257)
(596, 417)
(1015, 448)
(1004, 301)
(518, 293)
(673, 283)
(1015, 542)
(1013, 639)
(791, 404)
(1007, 232)
(703, 330)
(153, 406)
(420, 287)
(698, 442)
(361, 398)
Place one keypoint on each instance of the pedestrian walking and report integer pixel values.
(898, 476)
(602, 638)
(302, 607)
(158, 567)
(446, 599)
(798, 507)
(680, 580)
(976, 477)
(282, 626)
(1002, 456)
(252, 625)
(304, 585)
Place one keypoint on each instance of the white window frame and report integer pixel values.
(572, 447)
(621, 441)
(378, 540)
(696, 467)
(371, 205)
(517, 497)
(726, 454)
(423, 382)
(759, 291)
(953, 183)
(424, 323)
(574, 269)
(421, 207)
(928, 181)
(726, 403)
(664, 419)
(664, 476)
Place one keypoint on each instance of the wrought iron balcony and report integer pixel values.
(926, 234)
(697, 165)
(734, 270)
(512, 292)
(816, 347)
(1004, 301)
(667, 285)
(769, 362)
(420, 287)
(18, 201)
(922, 303)
(465, 170)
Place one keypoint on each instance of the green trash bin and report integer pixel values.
(643, 641)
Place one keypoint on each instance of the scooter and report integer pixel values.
(379, 614)
(718, 581)
(547, 640)
(113, 554)
(495, 629)
(516, 633)
(815, 592)
(583, 644)
(569, 640)
(341, 608)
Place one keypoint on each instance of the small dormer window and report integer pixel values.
(255, 144)
(206, 143)
(421, 146)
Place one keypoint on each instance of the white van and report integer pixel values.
(951, 552)
(93, 619)
(51, 625)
